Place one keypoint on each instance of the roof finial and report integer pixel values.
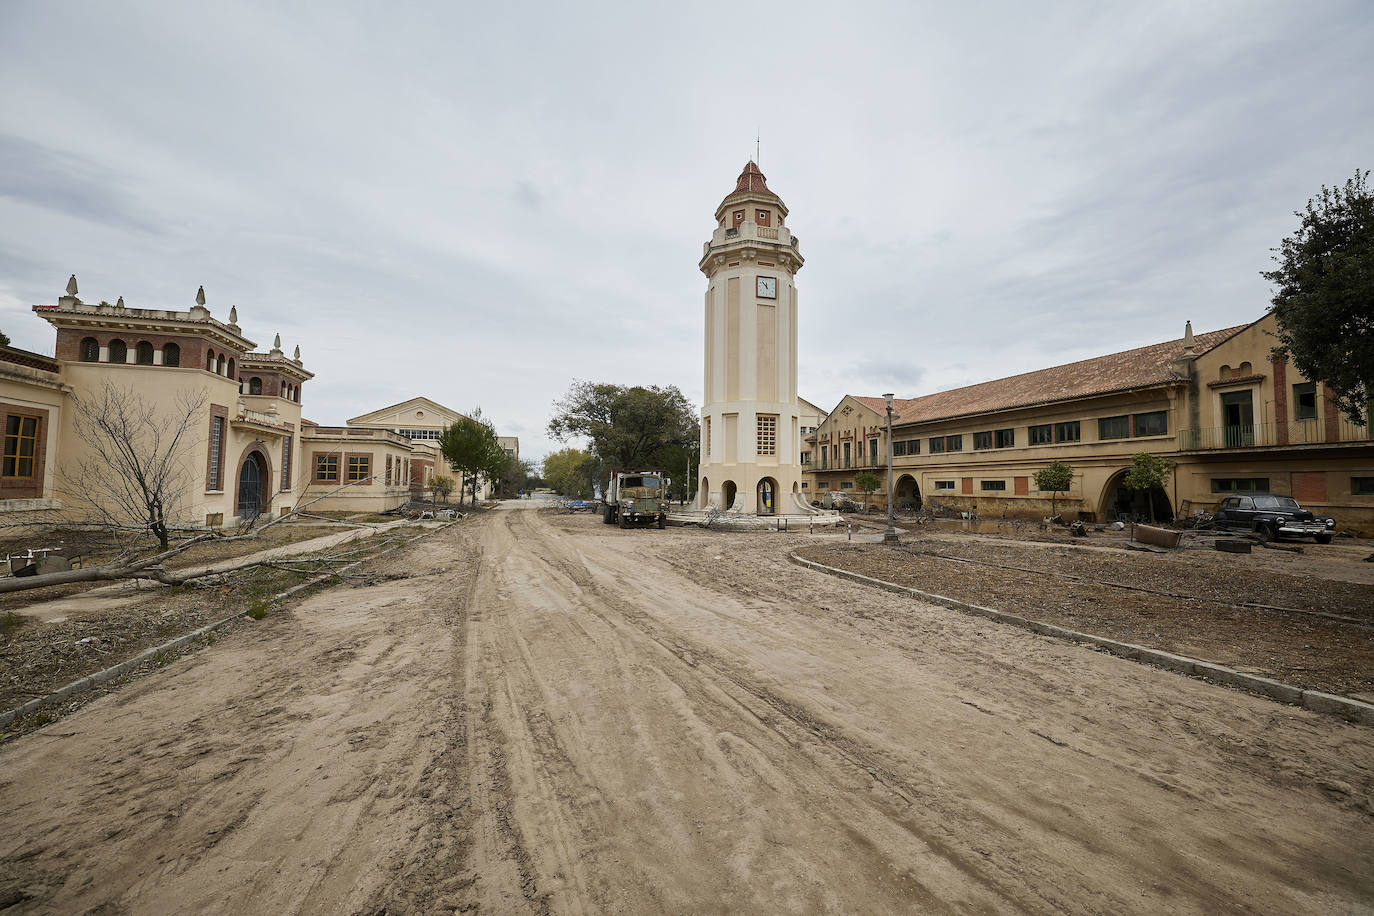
(233, 314)
(297, 357)
(119, 304)
(200, 296)
(71, 286)
(276, 342)
(1188, 339)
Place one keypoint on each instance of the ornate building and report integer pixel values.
(750, 448)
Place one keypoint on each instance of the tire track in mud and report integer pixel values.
(290, 768)
(982, 813)
(807, 735)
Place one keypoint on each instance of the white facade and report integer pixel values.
(751, 444)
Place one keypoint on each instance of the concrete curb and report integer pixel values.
(108, 674)
(1315, 700)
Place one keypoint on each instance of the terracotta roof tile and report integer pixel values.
(751, 182)
(1138, 368)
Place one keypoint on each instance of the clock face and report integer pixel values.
(768, 287)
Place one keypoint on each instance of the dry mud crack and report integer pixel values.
(553, 715)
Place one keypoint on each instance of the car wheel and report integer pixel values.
(662, 523)
(1323, 538)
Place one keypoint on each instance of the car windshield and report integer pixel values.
(640, 482)
(1275, 502)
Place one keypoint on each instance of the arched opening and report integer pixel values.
(171, 355)
(1122, 504)
(727, 495)
(232, 375)
(119, 351)
(209, 360)
(704, 492)
(767, 496)
(90, 350)
(908, 492)
(145, 353)
(219, 365)
(255, 385)
(252, 485)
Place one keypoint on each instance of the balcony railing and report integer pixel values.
(1269, 434)
(766, 233)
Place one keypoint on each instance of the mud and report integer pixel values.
(594, 720)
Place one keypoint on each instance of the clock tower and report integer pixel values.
(750, 448)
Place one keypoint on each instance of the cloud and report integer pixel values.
(479, 204)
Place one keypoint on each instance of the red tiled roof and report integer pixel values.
(29, 358)
(1129, 369)
(751, 181)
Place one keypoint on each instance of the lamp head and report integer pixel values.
(888, 398)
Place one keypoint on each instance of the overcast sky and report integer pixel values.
(480, 203)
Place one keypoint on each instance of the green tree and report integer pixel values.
(571, 472)
(627, 426)
(868, 482)
(441, 485)
(1054, 478)
(1148, 472)
(4, 339)
(1324, 297)
(519, 474)
(471, 447)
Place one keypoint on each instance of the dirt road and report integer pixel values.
(595, 720)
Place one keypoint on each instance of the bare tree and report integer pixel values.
(135, 473)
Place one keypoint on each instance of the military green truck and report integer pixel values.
(636, 499)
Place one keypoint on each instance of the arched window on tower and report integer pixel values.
(171, 355)
(119, 351)
(90, 350)
(232, 374)
(255, 385)
(219, 365)
(209, 360)
(145, 353)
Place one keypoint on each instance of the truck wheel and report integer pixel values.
(607, 515)
(663, 523)
(623, 522)
(1323, 538)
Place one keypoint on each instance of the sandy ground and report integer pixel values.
(594, 720)
(117, 595)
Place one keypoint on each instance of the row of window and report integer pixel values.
(327, 468)
(1125, 426)
(118, 352)
(1359, 486)
(253, 385)
(431, 434)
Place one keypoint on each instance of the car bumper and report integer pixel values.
(1302, 530)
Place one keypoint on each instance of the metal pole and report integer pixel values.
(890, 535)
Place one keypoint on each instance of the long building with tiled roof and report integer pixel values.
(1234, 418)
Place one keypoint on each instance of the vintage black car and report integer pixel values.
(1273, 516)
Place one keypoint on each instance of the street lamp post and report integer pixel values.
(890, 535)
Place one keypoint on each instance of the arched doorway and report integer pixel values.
(1120, 502)
(727, 495)
(704, 492)
(767, 496)
(908, 492)
(252, 480)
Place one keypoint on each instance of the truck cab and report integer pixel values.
(636, 499)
